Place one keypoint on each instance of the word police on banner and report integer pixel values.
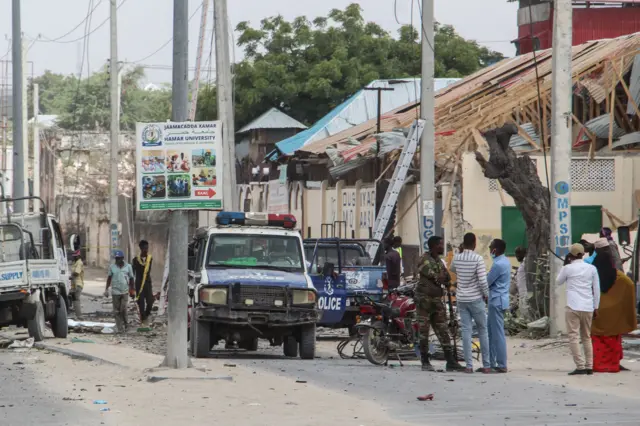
(177, 166)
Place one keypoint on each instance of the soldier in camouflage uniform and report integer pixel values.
(433, 279)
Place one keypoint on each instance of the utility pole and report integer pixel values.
(196, 78)
(115, 128)
(19, 144)
(36, 147)
(25, 126)
(427, 142)
(177, 356)
(561, 94)
(225, 103)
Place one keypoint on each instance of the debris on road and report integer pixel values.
(78, 340)
(428, 397)
(27, 343)
(100, 402)
(301, 381)
(229, 365)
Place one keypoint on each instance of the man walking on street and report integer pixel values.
(472, 293)
(499, 280)
(144, 290)
(583, 299)
(77, 283)
(120, 279)
(433, 280)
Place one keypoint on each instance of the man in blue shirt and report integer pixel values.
(499, 280)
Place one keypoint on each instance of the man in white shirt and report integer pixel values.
(521, 283)
(583, 299)
(472, 292)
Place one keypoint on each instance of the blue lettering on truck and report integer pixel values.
(7, 276)
(43, 273)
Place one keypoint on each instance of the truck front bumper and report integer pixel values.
(225, 315)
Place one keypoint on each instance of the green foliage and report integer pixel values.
(85, 104)
(307, 68)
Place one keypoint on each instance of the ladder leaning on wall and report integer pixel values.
(395, 186)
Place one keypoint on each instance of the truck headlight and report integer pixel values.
(304, 297)
(213, 296)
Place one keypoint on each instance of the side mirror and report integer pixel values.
(328, 269)
(45, 236)
(191, 263)
(74, 242)
(624, 236)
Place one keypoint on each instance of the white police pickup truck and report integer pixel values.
(249, 281)
(34, 274)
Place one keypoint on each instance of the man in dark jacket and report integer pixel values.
(394, 266)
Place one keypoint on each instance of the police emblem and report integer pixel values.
(328, 286)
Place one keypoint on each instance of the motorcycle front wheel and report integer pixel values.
(374, 345)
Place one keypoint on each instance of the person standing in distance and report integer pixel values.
(472, 293)
(144, 290)
(77, 283)
(583, 298)
(433, 280)
(499, 280)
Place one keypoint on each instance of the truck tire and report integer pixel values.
(59, 324)
(308, 341)
(36, 325)
(250, 345)
(201, 345)
(290, 347)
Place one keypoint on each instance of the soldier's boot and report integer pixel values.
(426, 365)
(452, 362)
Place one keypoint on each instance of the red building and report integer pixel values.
(592, 20)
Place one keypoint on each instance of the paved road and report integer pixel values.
(460, 399)
(24, 402)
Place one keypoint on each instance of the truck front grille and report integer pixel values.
(261, 296)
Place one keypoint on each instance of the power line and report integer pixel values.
(74, 28)
(87, 34)
(167, 42)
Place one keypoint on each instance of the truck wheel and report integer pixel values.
(250, 345)
(290, 347)
(308, 341)
(201, 337)
(36, 325)
(59, 323)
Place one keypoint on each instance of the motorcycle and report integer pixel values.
(390, 328)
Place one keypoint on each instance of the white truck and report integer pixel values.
(34, 273)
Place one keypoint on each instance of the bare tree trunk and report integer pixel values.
(518, 176)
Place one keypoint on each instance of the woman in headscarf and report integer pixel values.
(616, 313)
(615, 251)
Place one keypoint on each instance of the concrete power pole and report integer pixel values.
(25, 126)
(560, 156)
(36, 147)
(427, 142)
(177, 356)
(115, 128)
(224, 83)
(19, 151)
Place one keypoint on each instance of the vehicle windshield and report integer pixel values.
(256, 251)
(350, 255)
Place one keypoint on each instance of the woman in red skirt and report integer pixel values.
(616, 313)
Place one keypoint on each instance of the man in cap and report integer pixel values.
(142, 267)
(120, 279)
(77, 283)
(583, 298)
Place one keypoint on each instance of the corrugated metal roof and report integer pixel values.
(273, 119)
(360, 108)
(599, 126)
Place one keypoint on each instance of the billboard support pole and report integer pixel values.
(177, 356)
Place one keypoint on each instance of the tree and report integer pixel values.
(518, 176)
(307, 68)
(85, 104)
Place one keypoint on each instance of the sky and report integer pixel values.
(145, 25)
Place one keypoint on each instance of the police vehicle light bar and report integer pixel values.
(256, 219)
